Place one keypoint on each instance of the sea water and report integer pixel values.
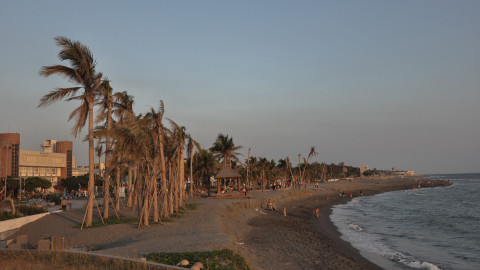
(428, 228)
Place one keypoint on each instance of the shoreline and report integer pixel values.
(266, 239)
(300, 241)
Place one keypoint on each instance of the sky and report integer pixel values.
(379, 83)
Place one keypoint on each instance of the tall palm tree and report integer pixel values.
(106, 103)
(224, 149)
(191, 143)
(82, 73)
(123, 108)
(157, 124)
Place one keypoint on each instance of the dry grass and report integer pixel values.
(38, 260)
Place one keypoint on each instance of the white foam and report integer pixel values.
(355, 227)
(373, 243)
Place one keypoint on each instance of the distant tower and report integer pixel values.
(49, 146)
(65, 147)
(9, 153)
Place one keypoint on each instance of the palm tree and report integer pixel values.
(191, 143)
(106, 103)
(157, 123)
(204, 166)
(312, 153)
(224, 149)
(122, 108)
(82, 73)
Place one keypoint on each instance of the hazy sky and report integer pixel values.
(382, 83)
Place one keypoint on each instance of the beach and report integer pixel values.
(266, 239)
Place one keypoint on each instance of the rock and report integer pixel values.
(198, 265)
(195, 268)
(183, 263)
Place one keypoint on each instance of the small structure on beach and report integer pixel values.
(227, 173)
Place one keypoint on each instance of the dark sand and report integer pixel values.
(268, 240)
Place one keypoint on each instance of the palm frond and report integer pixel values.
(56, 95)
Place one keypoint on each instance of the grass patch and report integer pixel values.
(22, 210)
(7, 216)
(111, 220)
(224, 259)
(28, 260)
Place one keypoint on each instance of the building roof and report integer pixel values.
(227, 172)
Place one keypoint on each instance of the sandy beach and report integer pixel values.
(267, 239)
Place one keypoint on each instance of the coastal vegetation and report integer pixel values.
(37, 260)
(224, 259)
(163, 163)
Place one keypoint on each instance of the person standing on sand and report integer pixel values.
(64, 204)
(317, 212)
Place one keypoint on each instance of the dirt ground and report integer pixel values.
(268, 240)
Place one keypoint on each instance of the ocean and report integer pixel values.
(428, 228)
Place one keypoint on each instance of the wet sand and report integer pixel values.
(268, 240)
(299, 240)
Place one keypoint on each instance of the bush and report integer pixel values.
(7, 215)
(55, 198)
(217, 259)
(30, 210)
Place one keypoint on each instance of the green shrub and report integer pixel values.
(55, 198)
(7, 215)
(224, 259)
(30, 210)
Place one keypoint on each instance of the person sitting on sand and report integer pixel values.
(273, 206)
(269, 204)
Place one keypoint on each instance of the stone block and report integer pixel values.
(58, 243)
(44, 244)
(15, 246)
(22, 239)
(9, 242)
(46, 236)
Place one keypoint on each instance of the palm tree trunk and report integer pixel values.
(181, 175)
(91, 156)
(108, 149)
(155, 195)
(191, 173)
(170, 189)
(117, 189)
(129, 185)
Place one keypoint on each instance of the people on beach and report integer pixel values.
(317, 213)
(273, 206)
(269, 205)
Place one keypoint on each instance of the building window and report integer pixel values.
(69, 163)
(15, 155)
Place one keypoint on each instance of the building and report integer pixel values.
(363, 169)
(55, 162)
(9, 153)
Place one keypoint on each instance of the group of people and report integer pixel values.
(271, 205)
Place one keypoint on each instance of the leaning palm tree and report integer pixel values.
(82, 73)
(224, 149)
(312, 153)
